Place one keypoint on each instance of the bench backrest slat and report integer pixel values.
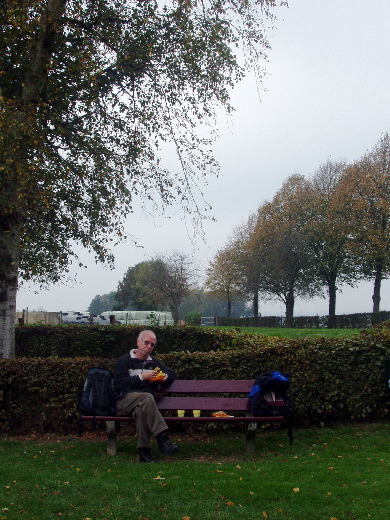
(208, 386)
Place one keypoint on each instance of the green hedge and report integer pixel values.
(332, 379)
(113, 340)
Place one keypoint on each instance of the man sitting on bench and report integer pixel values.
(134, 391)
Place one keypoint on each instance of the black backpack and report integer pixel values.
(269, 397)
(96, 397)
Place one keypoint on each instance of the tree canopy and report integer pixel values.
(366, 184)
(223, 276)
(89, 91)
(158, 284)
(327, 231)
(104, 302)
(279, 249)
(133, 291)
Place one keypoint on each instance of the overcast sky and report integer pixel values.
(327, 96)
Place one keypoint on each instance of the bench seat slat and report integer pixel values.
(187, 419)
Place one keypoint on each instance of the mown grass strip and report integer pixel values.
(340, 473)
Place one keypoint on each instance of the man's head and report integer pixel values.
(146, 342)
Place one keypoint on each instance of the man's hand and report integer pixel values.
(149, 374)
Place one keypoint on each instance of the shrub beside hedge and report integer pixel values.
(332, 379)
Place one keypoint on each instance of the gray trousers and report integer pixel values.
(148, 420)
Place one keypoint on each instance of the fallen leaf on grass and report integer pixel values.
(230, 503)
(296, 490)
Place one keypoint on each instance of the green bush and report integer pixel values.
(114, 340)
(332, 378)
(193, 318)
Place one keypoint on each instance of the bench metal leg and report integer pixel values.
(111, 438)
(251, 437)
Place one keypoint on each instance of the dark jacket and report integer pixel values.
(127, 375)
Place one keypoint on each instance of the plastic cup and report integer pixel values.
(180, 413)
(196, 413)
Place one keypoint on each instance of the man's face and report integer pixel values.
(145, 345)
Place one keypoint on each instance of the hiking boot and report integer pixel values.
(165, 445)
(145, 456)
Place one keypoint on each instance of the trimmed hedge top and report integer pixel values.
(114, 340)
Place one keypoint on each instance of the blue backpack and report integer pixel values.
(269, 397)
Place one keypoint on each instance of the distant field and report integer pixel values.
(295, 333)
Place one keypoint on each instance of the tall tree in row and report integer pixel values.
(248, 270)
(280, 249)
(328, 231)
(222, 277)
(89, 89)
(367, 184)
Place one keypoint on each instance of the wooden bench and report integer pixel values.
(236, 405)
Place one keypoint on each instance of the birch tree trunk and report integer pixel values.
(15, 156)
(9, 265)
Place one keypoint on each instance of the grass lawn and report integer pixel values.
(296, 333)
(329, 473)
